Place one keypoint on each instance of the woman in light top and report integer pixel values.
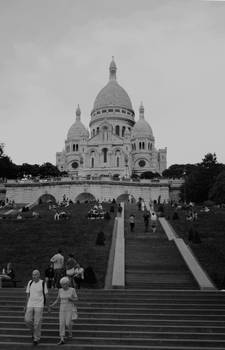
(67, 297)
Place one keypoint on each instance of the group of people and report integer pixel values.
(148, 216)
(7, 204)
(58, 269)
(97, 212)
(37, 299)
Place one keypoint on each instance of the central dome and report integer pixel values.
(112, 94)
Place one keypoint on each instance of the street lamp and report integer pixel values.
(184, 176)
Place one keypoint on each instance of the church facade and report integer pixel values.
(116, 144)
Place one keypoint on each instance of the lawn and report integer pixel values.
(211, 228)
(30, 243)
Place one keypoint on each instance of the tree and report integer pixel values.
(209, 161)
(174, 171)
(201, 178)
(48, 169)
(149, 175)
(217, 192)
(1, 149)
(177, 171)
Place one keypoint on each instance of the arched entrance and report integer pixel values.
(124, 197)
(85, 197)
(46, 198)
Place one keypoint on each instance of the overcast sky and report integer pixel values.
(169, 54)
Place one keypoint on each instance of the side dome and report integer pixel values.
(77, 130)
(142, 127)
(112, 94)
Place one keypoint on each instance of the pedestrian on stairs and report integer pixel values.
(68, 312)
(146, 216)
(132, 222)
(37, 293)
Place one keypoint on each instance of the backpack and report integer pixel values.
(43, 289)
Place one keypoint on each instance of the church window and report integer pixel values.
(62, 167)
(142, 163)
(118, 130)
(143, 145)
(123, 111)
(97, 130)
(104, 111)
(76, 147)
(93, 132)
(117, 110)
(105, 151)
(98, 112)
(123, 130)
(149, 145)
(110, 110)
(129, 113)
(92, 162)
(139, 145)
(75, 165)
(117, 162)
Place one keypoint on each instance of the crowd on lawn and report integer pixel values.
(7, 204)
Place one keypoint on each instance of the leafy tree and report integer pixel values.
(209, 161)
(217, 192)
(149, 175)
(1, 149)
(48, 169)
(199, 181)
(177, 171)
(174, 171)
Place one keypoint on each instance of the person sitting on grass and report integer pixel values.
(8, 274)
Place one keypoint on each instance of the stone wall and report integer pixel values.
(102, 190)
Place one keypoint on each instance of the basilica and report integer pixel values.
(117, 145)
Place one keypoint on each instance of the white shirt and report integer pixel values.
(58, 261)
(36, 298)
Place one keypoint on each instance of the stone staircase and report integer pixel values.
(152, 261)
(124, 319)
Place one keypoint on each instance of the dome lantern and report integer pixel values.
(141, 111)
(112, 70)
(78, 113)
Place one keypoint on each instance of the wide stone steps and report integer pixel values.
(124, 319)
(153, 262)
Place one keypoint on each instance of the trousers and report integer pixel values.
(65, 321)
(33, 320)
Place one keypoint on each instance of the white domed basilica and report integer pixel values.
(116, 145)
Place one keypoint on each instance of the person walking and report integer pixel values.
(67, 297)
(146, 216)
(37, 293)
(58, 262)
(132, 222)
(153, 221)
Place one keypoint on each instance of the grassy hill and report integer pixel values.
(211, 228)
(30, 243)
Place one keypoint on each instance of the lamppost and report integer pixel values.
(184, 176)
